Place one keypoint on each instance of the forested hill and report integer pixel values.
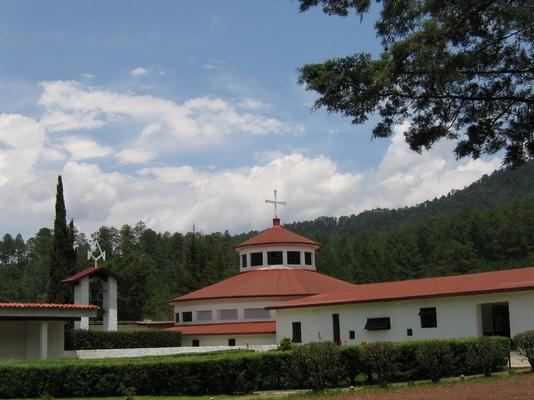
(500, 187)
(488, 225)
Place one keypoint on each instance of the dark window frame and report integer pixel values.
(256, 259)
(275, 257)
(231, 342)
(177, 317)
(336, 327)
(308, 259)
(293, 257)
(428, 317)
(378, 324)
(296, 332)
(195, 343)
(244, 261)
(187, 316)
(352, 335)
(409, 332)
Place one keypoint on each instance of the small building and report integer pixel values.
(35, 330)
(489, 303)
(276, 265)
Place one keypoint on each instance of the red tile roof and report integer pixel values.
(276, 235)
(49, 305)
(238, 328)
(92, 271)
(268, 282)
(459, 285)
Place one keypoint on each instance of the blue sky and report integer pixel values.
(177, 112)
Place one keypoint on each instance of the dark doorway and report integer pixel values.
(495, 319)
(335, 323)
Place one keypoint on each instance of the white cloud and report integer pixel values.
(251, 104)
(82, 148)
(138, 72)
(136, 156)
(196, 122)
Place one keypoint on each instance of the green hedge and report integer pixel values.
(91, 340)
(237, 372)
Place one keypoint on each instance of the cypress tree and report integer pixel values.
(63, 258)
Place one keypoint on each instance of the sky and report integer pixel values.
(182, 113)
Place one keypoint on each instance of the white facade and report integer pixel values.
(460, 316)
(81, 296)
(222, 340)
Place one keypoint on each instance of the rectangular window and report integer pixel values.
(257, 313)
(256, 259)
(177, 317)
(297, 332)
(227, 315)
(187, 316)
(335, 325)
(244, 260)
(409, 332)
(204, 315)
(293, 257)
(428, 317)
(231, 342)
(196, 343)
(378, 324)
(352, 335)
(308, 258)
(274, 258)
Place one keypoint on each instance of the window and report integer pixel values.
(308, 258)
(274, 258)
(187, 316)
(293, 257)
(204, 315)
(177, 317)
(335, 326)
(428, 317)
(257, 313)
(297, 332)
(378, 324)
(409, 332)
(231, 342)
(352, 335)
(196, 343)
(244, 261)
(256, 259)
(227, 315)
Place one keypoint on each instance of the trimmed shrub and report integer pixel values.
(317, 364)
(435, 357)
(350, 365)
(93, 340)
(285, 344)
(524, 346)
(380, 358)
(487, 354)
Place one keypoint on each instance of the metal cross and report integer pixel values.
(102, 254)
(276, 202)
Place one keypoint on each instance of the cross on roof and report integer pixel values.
(101, 255)
(276, 202)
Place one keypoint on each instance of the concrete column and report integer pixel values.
(110, 304)
(43, 340)
(302, 261)
(81, 296)
(265, 263)
(284, 257)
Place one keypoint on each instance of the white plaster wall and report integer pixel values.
(456, 317)
(223, 304)
(264, 249)
(21, 339)
(222, 340)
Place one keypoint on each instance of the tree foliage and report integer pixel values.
(456, 69)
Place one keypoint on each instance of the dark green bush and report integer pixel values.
(380, 358)
(237, 372)
(487, 354)
(285, 344)
(524, 346)
(91, 340)
(435, 357)
(317, 365)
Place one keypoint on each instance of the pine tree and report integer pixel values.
(63, 260)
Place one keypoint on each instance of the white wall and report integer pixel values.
(456, 317)
(222, 340)
(22, 339)
(220, 304)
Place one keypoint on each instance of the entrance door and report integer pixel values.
(501, 320)
(335, 323)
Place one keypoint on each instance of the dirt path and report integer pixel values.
(514, 388)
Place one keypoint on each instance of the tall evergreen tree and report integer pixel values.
(63, 260)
